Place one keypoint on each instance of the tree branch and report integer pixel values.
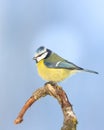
(70, 120)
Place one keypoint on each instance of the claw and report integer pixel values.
(52, 83)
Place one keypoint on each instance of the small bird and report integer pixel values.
(52, 67)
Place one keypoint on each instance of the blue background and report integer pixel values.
(73, 29)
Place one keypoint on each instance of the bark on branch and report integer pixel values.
(70, 120)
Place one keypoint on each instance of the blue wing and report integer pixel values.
(66, 65)
(62, 64)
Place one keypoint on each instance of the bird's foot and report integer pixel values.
(52, 83)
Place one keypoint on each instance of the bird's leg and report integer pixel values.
(52, 83)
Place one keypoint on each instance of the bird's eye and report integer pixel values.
(40, 54)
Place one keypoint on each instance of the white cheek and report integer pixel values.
(42, 56)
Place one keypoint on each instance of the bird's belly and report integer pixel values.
(53, 74)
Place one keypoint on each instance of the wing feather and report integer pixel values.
(62, 64)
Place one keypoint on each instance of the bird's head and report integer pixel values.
(41, 53)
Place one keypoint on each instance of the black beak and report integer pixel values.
(34, 58)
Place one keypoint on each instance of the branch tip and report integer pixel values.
(18, 120)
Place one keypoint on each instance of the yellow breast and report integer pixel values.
(52, 74)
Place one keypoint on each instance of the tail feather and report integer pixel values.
(90, 71)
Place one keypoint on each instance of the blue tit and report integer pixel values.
(52, 67)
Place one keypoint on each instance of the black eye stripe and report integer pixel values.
(41, 54)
